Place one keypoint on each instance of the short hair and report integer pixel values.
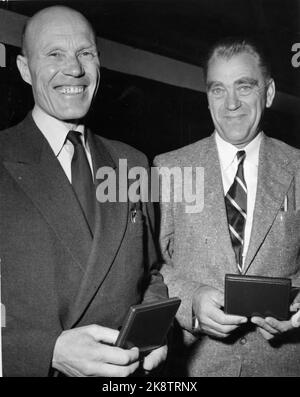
(231, 46)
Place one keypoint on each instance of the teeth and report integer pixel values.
(70, 89)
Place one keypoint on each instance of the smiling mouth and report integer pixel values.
(234, 118)
(71, 89)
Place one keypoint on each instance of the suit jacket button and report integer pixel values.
(243, 341)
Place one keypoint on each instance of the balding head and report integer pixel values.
(50, 16)
(60, 61)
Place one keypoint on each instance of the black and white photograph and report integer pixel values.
(150, 191)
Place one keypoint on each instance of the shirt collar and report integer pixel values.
(227, 151)
(54, 130)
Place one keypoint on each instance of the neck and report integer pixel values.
(69, 124)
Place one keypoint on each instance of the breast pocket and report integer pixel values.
(287, 228)
(289, 219)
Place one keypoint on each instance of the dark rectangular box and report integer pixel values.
(257, 296)
(147, 324)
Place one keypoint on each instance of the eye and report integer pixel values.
(87, 54)
(55, 54)
(245, 89)
(217, 91)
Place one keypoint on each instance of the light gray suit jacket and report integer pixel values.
(197, 250)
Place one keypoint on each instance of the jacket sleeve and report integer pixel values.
(174, 275)
(155, 288)
(36, 347)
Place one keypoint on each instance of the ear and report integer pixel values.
(270, 93)
(22, 64)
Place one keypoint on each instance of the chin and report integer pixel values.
(237, 136)
(77, 115)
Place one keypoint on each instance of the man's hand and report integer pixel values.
(207, 304)
(155, 358)
(88, 351)
(270, 327)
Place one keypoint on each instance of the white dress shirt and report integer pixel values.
(228, 161)
(56, 131)
(229, 164)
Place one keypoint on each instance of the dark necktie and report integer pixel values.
(82, 180)
(236, 207)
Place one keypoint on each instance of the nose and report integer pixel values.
(232, 101)
(73, 67)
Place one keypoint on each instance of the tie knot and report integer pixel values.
(74, 137)
(241, 154)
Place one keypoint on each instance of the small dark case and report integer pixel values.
(257, 296)
(146, 325)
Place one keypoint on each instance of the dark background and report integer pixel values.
(157, 117)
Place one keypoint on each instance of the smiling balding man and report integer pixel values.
(71, 267)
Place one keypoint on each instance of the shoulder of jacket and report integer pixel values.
(120, 150)
(184, 155)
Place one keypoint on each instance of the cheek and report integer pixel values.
(255, 111)
(94, 76)
(43, 78)
(255, 105)
(215, 109)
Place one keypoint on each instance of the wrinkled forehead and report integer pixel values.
(229, 69)
(48, 30)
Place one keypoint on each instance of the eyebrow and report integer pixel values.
(242, 80)
(54, 47)
(212, 83)
(247, 80)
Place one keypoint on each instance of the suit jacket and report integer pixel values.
(198, 251)
(55, 276)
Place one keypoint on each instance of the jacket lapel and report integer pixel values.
(110, 228)
(36, 170)
(214, 205)
(274, 179)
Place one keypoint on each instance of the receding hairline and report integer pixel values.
(230, 47)
(219, 54)
(32, 21)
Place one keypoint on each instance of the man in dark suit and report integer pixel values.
(249, 224)
(71, 266)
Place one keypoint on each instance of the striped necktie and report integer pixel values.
(236, 207)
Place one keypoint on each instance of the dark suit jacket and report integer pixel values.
(55, 276)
